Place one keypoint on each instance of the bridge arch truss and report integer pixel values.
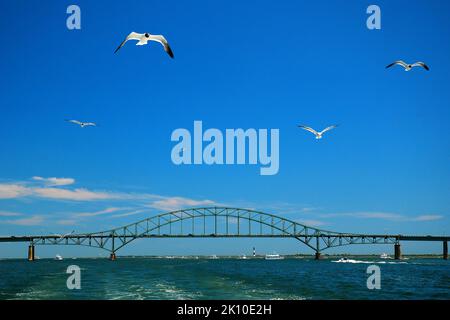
(220, 222)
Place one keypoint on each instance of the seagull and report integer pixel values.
(407, 66)
(143, 38)
(317, 134)
(83, 124)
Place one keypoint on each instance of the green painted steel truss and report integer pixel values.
(217, 222)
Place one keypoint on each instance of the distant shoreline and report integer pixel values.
(239, 257)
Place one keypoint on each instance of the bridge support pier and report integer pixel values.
(112, 256)
(317, 256)
(397, 251)
(445, 250)
(31, 253)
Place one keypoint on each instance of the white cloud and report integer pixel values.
(32, 221)
(67, 222)
(99, 213)
(428, 217)
(9, 214)
(366, 215)
(309, 209)
(11, 191)
(384, 216)
(175, 203)
(380, 215)
(52, 190)
(75, 195)
(52, 182)
(280, 208)
(22, 189)
(311, 223)
(132, 213)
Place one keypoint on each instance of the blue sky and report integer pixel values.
(257, 64)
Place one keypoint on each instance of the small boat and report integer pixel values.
(385, 256)
(214, 257)
(274, 256)
(346, 260)
(58, 257)
(243, 257)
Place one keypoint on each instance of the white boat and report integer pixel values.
(345, 260)
(214, 257)
(274, 256)
(385, 256)
(58, 257)
(243, 257)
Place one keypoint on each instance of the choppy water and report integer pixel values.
(151, 278)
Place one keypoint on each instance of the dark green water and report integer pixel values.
(151, 278)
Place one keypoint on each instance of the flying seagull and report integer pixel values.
(83, 124)
(407, 66)
(317, 134)
(143, 38)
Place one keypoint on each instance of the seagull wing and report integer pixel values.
(328, 129)
(163, 41)
(90, 124)
(421, 64)
(399, 62)
(75, 121)
(309, 129)
(131, 36)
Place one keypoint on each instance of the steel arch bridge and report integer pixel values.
(218, 222)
